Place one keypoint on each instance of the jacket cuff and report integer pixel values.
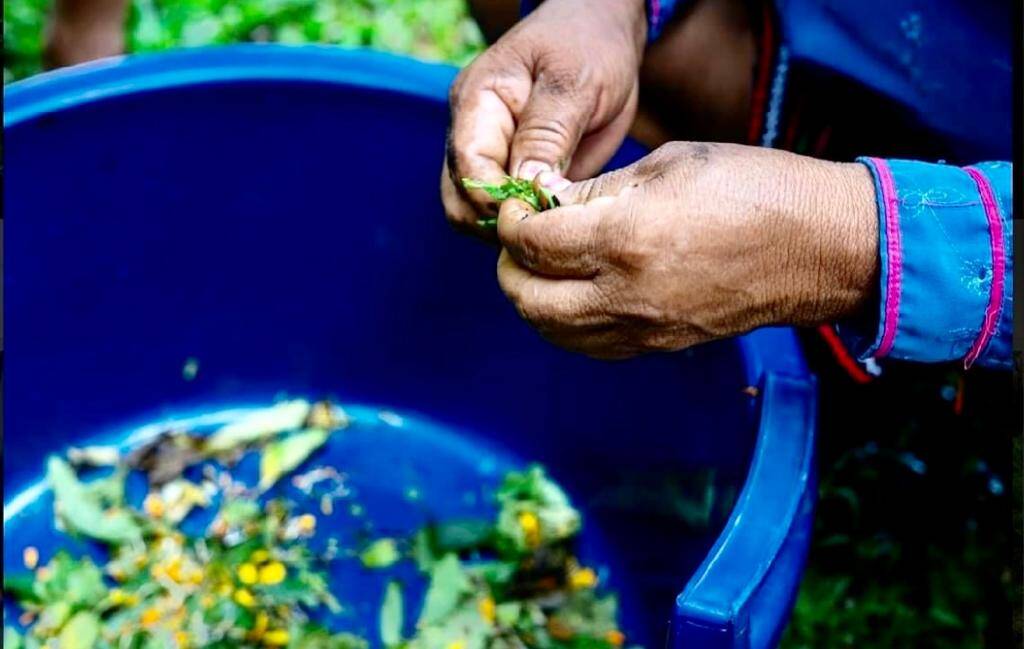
(945, 265)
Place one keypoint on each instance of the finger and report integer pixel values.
(601, 190)
(483, 105)
(550, 304)
(559, 243)
(460, 212)
(597, 148)
(551, 124)
(604, 343)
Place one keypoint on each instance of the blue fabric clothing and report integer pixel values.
(946, 249)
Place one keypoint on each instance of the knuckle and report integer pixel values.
(528, 246)
(561, 81)
(551, 130)
(661, 341)
(455, 92)
(530, 309)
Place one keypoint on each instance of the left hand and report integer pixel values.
(692, 243)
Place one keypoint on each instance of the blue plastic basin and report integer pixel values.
(273, 212)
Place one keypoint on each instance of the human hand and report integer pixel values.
(557, 92)
(84, 30)
(692, 243)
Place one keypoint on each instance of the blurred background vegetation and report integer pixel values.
(432, 29)
(917, 522)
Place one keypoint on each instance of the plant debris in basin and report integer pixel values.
(252, 578)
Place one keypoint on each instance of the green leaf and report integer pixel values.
(282, 456)
(382, 553)
(464, 535)
(240, 511)
(259, 425)
(312, 637)
(12, 639)
(76, 582)
(424, 548)
(81, 631)
(507, 613)
(531, 497)
(81, 510)
(538, 198)
(448, 586)
(392, 616)
(20, 588)
(52, 617)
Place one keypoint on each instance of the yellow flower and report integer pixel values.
(117, 597)
(530, 524)
(583, 578)
(150, 616)
(487, 609)
(30, 556)
(456, 644)
(273, 573)
(224, 590)
(154, 506)
(307, 524)
(244, 597)
(174, 570)
(276, 637)
(181, 638)
(259, 556)
(615, 637)
(247, 574)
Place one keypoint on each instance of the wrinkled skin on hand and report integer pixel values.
(692, 243)
(557, 92)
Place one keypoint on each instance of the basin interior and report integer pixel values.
(288, 237)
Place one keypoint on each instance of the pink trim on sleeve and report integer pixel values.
(995, 298)
(894, 256)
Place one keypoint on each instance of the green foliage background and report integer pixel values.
(432, 29)
(913, 535)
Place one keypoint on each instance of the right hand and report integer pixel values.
(557, 93)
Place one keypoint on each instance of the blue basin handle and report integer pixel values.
(740, 596)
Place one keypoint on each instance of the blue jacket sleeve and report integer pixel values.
(659, 12)
(946, 281)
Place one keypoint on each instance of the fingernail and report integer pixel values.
(529, 169)
(553, 181)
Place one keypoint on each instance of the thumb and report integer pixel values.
(550, 126)
(608, 184)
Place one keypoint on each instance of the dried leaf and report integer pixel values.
(283, 456)
(180, 497)
(166, 457)
(324, 414)
(94, 456)
(283, 417)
